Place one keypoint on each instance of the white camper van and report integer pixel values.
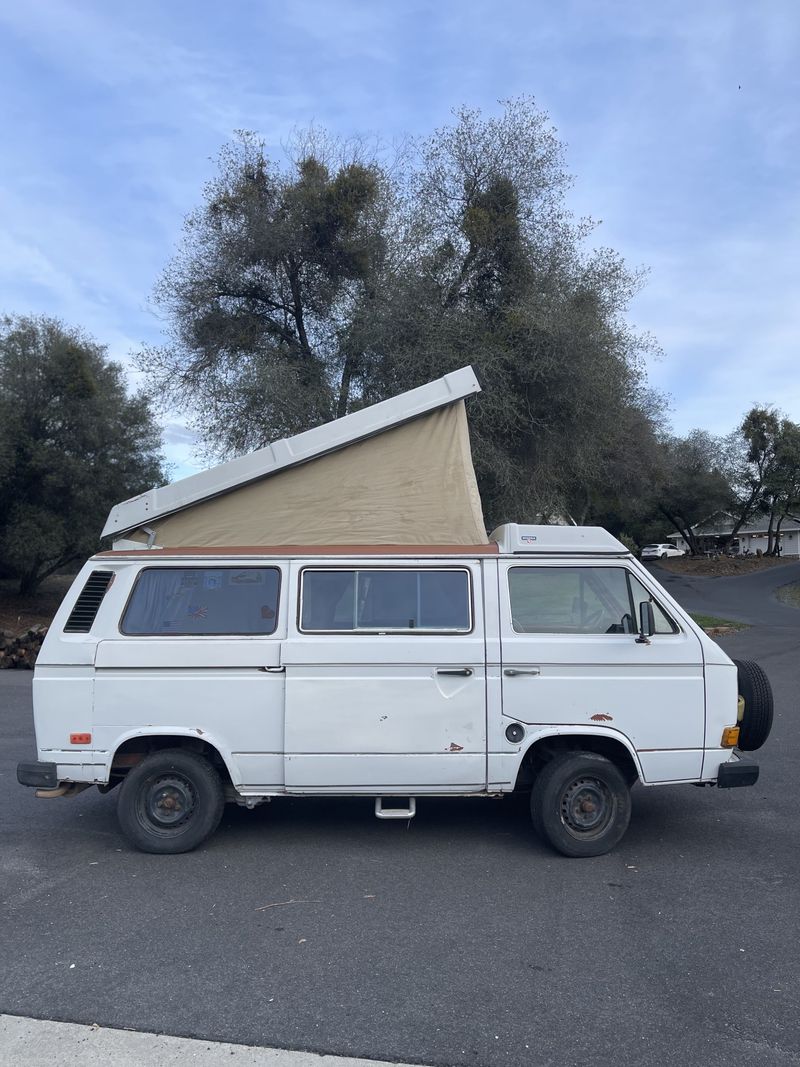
(377, 643)
(547, 660)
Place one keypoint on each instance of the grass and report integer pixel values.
(713, 622)
(790, 594)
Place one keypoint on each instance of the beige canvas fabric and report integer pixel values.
(414, 484)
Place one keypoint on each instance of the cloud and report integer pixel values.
(113, 115)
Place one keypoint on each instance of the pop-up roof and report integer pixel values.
(398, 472)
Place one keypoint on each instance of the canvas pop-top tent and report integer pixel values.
(398, 472)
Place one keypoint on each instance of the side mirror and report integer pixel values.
(647, 623)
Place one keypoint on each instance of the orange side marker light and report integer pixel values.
(730, 737)
(80, 739)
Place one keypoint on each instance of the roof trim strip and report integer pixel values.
(301, 551)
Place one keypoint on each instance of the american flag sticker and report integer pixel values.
(197, 611)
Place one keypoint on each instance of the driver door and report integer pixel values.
(571, 659)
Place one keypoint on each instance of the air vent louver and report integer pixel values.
(88, 603)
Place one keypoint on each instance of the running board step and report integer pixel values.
(395, 813)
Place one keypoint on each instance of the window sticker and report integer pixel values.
(248, 577)
(212, 581)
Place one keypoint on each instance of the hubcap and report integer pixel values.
(587, 807)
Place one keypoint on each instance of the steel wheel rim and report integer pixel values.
(587, 807)
(167, 803)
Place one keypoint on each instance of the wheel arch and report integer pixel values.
(606, 743)
(132, 747)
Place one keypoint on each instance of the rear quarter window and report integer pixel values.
(212, 601)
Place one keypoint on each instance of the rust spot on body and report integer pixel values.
(455, 748)
(602, 718)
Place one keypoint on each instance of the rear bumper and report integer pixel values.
(40, 775)
(738, 773)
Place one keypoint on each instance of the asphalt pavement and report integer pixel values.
(458, 938)
(745, 598)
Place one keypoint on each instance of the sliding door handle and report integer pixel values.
(463, 672)
(512, 672)
(272, 670)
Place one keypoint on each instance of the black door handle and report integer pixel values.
(464, 672)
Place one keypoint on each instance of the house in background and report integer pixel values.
(750, 538)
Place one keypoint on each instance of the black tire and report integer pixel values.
(663, 555)
(756, 719)
(569, 782)
(170, 802)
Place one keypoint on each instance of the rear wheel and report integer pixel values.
(170, 802)
(581, 804)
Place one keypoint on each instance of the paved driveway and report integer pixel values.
(459, 939)
(747, 598)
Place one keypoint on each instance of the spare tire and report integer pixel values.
(755, 717)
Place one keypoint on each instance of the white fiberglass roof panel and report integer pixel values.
(518, 539)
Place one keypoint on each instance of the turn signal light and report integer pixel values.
(730, 737)
(80, 739)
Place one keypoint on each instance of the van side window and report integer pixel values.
(570, 600)
(640, 595)
(203, 600)
(380, 600)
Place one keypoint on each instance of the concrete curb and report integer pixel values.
(40, 1043)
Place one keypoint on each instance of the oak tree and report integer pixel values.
(72, 444)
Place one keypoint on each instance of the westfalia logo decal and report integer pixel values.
(528, 539)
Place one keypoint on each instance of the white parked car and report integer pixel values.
(661, 551)
(549, 660)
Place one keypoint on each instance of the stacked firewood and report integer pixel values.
(21, 650)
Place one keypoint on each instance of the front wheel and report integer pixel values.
(581, 804)
(170, 802)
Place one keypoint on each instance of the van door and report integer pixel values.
(570, 658)
(197, 653)
(385, 679)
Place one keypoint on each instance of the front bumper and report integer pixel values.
(40, 775)
(738, 773)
